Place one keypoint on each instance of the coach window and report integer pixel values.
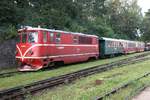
(44, 37)
(113, 44)
(58, 38)
(108, 44)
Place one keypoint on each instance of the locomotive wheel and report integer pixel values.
(51, 64)
(92, 59)
(58, 63)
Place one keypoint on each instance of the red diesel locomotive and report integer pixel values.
(38, 48)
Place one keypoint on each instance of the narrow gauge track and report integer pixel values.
(21, 91)
(121, 87)
(12, 73)
(9, 74)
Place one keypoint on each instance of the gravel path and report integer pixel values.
(144, 95)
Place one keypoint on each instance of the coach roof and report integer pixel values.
(109, 39)
(121, 40)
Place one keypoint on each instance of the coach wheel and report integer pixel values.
(112, 55)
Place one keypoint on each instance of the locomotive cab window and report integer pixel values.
(18, 38)
(44, 37)
(58, 38)
(24, 37)
(33, 37)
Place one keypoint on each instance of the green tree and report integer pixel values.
(110, 18)
(125, 17)
(9, 19)
(146, 27)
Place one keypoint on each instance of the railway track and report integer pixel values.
(9, 74)
(21, 91)
(121, 87)
(13, 73)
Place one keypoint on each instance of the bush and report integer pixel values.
(7, 32)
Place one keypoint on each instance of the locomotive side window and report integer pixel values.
(51, 37)
(33, 37)
(58, 38)
(44, 37)
(75, 39)
(85, 40)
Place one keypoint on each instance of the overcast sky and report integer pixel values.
(145, 5)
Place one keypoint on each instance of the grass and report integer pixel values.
(96, 85)
(23, 79)
(129, 92)
(4, 70)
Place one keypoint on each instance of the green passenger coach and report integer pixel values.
(110, 47)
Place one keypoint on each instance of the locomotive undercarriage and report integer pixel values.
(29, 65)
(28, 68)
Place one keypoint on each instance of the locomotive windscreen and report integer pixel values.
(22, 38)
(30, 37)
(33, 37)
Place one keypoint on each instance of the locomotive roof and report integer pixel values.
(53, 30)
